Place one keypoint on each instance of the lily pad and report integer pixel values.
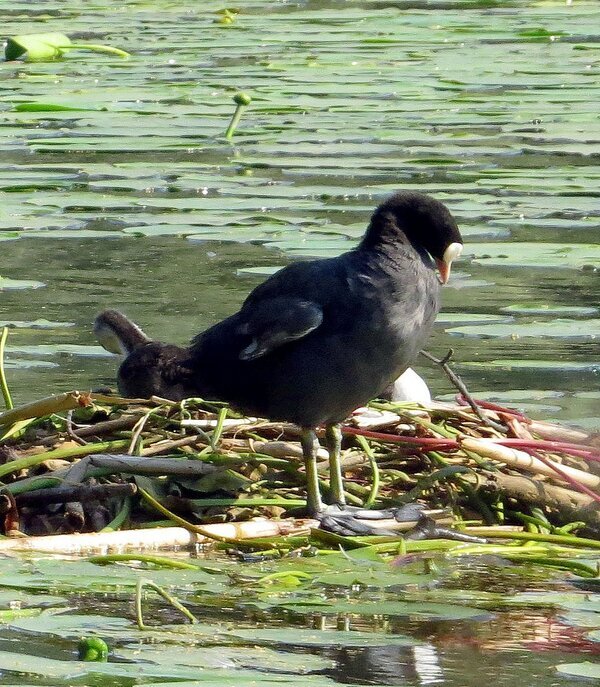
(416, 611)
(380, 579)
(545, 309)
(235, 657)
(302, 637)
(579, 330)
(36, 47)
(35, 324)
(68, 671)
(18, 599)
(10, 284)
(535, 255)
(584, 669)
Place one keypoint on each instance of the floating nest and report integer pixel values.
(85, 462)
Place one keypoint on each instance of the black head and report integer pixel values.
(156, 369)
(150, 368)
(422, 220)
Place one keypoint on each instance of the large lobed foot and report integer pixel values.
(349, 521)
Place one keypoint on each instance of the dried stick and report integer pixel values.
(134, 465)
(107, 426)
(154, 539)
(570, 504)
(71, 431)
(79, 493)
(521, 460)
(45, 406)
(460, 385)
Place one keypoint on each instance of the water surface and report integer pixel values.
(131, 198)
(117, 189)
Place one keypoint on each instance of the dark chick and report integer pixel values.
(150, 368)
(318, 338)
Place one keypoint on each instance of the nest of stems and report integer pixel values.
(87, 462)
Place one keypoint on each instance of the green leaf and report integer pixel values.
(585, 669)
(36, 47)
(42, 47)
(302, 637)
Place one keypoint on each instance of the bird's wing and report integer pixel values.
(310, 281)
(272, 322)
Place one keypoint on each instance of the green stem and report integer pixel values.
(245, 503)
(5, 390)
(364, 444)
(60, 453)
(428, 481)
(218, 430)
(159, 561)
(165, 595)
(120, 517)
(181, 521)
(581, 569)
(235, 120)
(561, 539)
(481, 506)
(94, 48)
(349, 497)
(243, 458)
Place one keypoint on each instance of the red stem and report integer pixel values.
(579, 450)
(430, 443)
(571, 480)
(487, 405)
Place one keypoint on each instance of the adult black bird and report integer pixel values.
(317, 339)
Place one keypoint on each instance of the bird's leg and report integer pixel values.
(350, 520)
(310, 446)
(333, 440)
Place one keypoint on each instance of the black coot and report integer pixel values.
(317, 339)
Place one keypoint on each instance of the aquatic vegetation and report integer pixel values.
(41, 47)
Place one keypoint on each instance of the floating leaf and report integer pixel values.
(41, 47)
(302, 637)
(538, 255)
(585, 669)
(545, 309)
(422, 611)
(38, 47)
(579, 330)
(6, 284)
(378, 579)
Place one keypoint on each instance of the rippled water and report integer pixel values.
(118, 189)
(130, 197)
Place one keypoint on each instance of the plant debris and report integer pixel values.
(81, 462)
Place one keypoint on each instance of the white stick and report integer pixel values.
(558, 433)
(153, 539)
(524, 461)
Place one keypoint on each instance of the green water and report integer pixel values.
(129, 197)
(393, 626)
(133, 199)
